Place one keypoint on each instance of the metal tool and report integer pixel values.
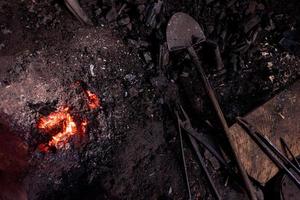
(203, 140)
(288, 150)
(182, 32)
(185, 124)
(277, 152)
(183, 156)
(74, 7)
(271, 151)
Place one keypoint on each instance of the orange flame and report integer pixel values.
(64, 120)
(94, 102)
(52, 121)
(62, 126)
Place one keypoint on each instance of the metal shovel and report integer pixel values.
(182, 32)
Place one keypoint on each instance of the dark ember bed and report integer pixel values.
(86, 110)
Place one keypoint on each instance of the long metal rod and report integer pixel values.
(214, 152)
(267, 151)
(183, 160)
(205, 143)
(247, 182)
(202, 162)
(286, 146)
(74, 7)
(277, 152)
(272, 147)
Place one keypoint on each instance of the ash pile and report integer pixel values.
(106, 68)
(50, 90)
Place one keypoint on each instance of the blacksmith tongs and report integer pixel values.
(184, 123)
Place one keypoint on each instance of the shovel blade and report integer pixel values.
(182, 30)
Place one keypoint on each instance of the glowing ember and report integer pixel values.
(83, 126)
(62, 126)
(68, 127)
(53, 120)
(94, 102)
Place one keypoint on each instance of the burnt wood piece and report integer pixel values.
(277, 118)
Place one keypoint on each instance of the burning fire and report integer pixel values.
(93, 100)
(52, 121)
(62, 126)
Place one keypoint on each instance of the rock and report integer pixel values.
(130, 77)
(2, 45)
(129, 26)
(291, 45)
(147, 57)
(6, 31)
(124, 21)
(92, 70)
(254, 21)
(133, 92)
(112, 15)
(152, 14)
(98, 12)
(141, 8)
(209, 1)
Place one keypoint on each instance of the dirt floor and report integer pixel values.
(132, 149)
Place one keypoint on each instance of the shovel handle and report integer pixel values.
(223, 121)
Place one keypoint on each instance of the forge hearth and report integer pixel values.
(52, 102)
